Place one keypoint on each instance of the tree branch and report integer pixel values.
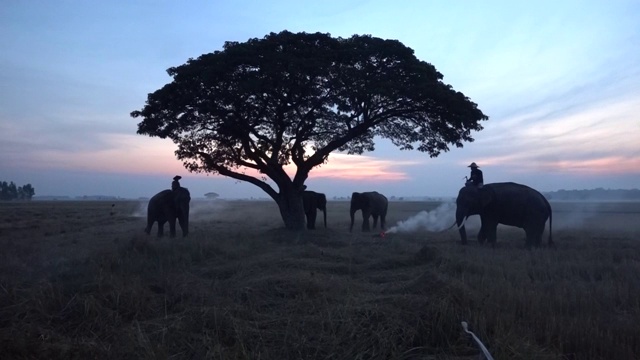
(222, 170)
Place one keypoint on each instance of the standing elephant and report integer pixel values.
(169, 205)
(504, 203)
(372, 204)
(312, 202)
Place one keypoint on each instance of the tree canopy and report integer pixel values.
(9, 191)
(295, 98)
(211, 195)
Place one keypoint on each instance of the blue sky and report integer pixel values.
(560, 82)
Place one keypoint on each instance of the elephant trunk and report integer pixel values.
(184, 225)
(460, 220)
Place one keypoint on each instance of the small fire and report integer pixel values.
(382, 234)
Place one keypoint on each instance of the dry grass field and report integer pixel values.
(80, 280)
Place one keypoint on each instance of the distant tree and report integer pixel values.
(9, 191)
(211, 195)
(4, 191)
(295, 98)
(28, 192)
(13, 191)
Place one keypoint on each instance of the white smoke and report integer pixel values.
(437, 219)
(141, 209)
(205, 209)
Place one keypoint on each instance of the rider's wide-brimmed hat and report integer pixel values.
(473, 165)
(177, 177)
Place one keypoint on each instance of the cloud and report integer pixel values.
(589, 138)
(604, 165)
(362, 168)
(135, 154)
(132, 154)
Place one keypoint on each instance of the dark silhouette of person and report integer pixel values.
(175, 184)
(476, 177)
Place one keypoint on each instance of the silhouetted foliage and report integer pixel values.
(297, 97)
(9, 191)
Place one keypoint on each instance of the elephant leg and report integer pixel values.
(184, 225)
(375, 221)
(311, 219)
(172, 227)
(529, 240)
(534, 236)
(365, 221)
(161, 228)
(533, 229)
(492, 233)
(539, 232)
(383, 222)
(482, 234)
(538, 235)
(484, 226)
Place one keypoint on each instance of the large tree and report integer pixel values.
(295, 98)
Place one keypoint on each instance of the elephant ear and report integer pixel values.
(486, 196)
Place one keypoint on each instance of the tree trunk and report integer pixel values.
(291, 210)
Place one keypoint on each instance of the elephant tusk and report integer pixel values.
(462, 224)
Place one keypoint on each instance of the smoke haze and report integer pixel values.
(437, 219)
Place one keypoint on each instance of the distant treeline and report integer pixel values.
(594, 194)
(9, 191)
(76, 198)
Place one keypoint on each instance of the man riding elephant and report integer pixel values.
(475, 178)
(504, 203)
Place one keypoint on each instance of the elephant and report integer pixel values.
(169, 205)
(504, 203)
(372, 204)
(312, 202)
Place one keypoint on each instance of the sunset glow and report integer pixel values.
(361, 168)
(560, 82)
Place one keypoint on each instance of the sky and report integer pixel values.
(559, 80)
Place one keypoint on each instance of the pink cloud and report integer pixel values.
(603, 165)
(613, 165)
(362, 168)
(137, 155)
